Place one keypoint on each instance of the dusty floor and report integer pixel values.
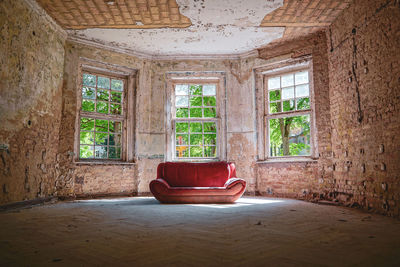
(141, 232)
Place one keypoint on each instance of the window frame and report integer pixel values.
(128, 110)
(262, 74)
(174, 78)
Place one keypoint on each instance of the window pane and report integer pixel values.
(102, 94)
(288, 105)
(87, 124)
(117, 85)
(88, 105)
(287, 93)
(301, 77)
(196, 127)
(89, 79)
(209, 89)
(196, 152)
(116, 109)
(115, 126)
(103, 82)
(181, 89)
(274, 83)
(196, 139)
(182, 112)
(88, 93)
(115, 139)
(181, 101)
(114, 152)
(275, 95)
(100, 152)
(182, 151)
(86, 138)
(287, 80)
(210, 127)
(303, 103)
(196, 113)
(210, 113)
(101, 125)
(116, 97)
(210, 151)
(196, 89)
(102, 107)
(182, 127)
(210, 101)
(294, 142)
(86, 152)
(210, 139)
(302, 90)
(196, 101)
(274, 107)
(101, 139)
(182, 139)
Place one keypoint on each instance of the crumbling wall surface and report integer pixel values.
(31, 71)
(365, 106)
(303, 179)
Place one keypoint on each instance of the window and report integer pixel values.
(285, 97)
(105, 120)
(195, 128)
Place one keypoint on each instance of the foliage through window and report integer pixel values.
(101, 117)
(195, 110)
(289, 114)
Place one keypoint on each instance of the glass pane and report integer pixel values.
(182, 112)
(87, 105)
(210, 113)
(182, 127)
(100, 152)
(275, 95)
(102, 107)
(114, 152)
(209, 89)
(287, 80)
(301, 77)
(182, 139)
(181, 89)
(196, 89)
(210, 151)
(196, 113)
(195, 101)
(294, 141)
(182, 151)
(196, 127)
(287, 93)
(89, 79)
(87, 124)
(101, 125)
(196, 139)
(115, 126)
(88, 93)
(101, 139)
(116, 97)
(181, 101)
(303, 103)
(86, 138)
(103, 82)
(86, 152)
(117, 85)
(196, 151)
(210, 127)
(210, 139)
(274, 83)
(288, 105)
(115, 109)
(102, 94)
(302, 90)
(210, 101)
(115, 139)
(274, 107)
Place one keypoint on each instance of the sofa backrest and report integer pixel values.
(186, 174)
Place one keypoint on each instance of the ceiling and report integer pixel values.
(191, 27)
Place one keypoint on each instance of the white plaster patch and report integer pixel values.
(218, 28)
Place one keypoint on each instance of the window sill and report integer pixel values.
(105, 162)
(288, 160)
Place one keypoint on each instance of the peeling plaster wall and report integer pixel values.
(31, 73)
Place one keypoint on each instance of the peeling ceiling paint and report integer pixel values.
(218, 27)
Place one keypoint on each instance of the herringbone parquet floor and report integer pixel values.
(142, 232)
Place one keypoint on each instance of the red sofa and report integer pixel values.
(183, 182)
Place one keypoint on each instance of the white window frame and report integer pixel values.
(217, 78)
(128, 116)
(262, 107)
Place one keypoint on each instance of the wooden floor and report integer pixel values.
(141, 232)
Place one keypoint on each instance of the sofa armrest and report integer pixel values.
(233, 181)
(161, 181)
